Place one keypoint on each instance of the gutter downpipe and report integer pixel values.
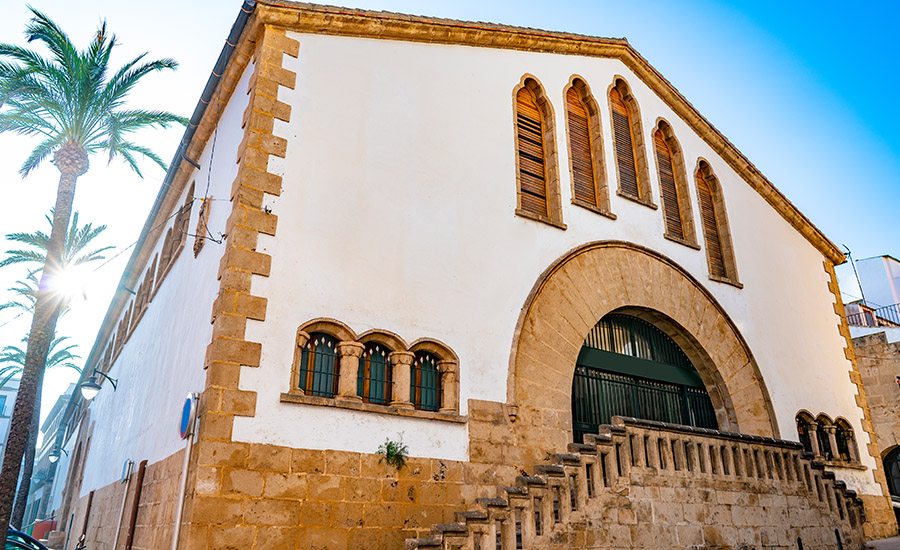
(215, 76)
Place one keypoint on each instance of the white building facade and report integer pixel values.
(429, 227)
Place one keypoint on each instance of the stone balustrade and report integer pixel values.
(637, 483)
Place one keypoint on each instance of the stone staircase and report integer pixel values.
(639, 484)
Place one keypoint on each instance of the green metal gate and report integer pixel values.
(628, 367)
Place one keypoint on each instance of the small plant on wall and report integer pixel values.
(393, 452)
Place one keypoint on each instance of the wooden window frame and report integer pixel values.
(601, 203)
(551, 157)
(704, 171)
(682, 189)
(642, 170)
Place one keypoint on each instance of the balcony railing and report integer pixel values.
(864, 316)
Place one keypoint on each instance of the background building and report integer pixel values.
(493, 243)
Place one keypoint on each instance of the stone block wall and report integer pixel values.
(879, 366)
(156, 509)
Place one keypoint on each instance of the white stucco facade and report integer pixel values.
(163, 359)
(398, 212)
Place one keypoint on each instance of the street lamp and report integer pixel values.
(91, 387)
(53, 457)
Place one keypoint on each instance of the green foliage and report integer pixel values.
(73, 97)
(14, 359)
(393, 452)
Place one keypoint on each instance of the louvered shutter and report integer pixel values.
(671, 208)
(532, 181)
(621, 120)
(710, 228)
(580, 148)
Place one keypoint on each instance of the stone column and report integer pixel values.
(401, 361)
(813, 430)
(296, 383)
(350, 353)
(832, 440)
(449, 387)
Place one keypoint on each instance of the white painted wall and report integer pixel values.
(163, 360)
(398, 213)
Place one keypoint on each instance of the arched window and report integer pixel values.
(586, 149)
(536, 164)
(846, 444)
(425, 382)
(803, 422)
(716, 233)
(374, 381)
(822, 427)
(628, 145)
(677, 211)
(319, 363)
(630, 367)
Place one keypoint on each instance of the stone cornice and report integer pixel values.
(318, 19)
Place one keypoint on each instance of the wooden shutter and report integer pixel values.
(710, 228)
(671, 208)
(532, 181)
(621, 120)
(580, 150)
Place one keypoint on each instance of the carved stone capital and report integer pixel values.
(350, 349)
(401, 358)
(302, 338)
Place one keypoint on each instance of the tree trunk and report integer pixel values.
(18, 515)
(71, 162)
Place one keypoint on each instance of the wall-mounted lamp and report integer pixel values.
(91, 387)
(55, 453)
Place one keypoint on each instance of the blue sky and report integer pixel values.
(805, 90)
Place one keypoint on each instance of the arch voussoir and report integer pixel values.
(598, 278)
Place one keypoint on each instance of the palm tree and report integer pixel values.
(33, 253)
(14, 359)
(75, 105)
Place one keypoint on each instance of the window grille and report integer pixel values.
(319, 365)
(373, 383)
(425, 382)
(824, 443)
(803, 434)
(843, 437)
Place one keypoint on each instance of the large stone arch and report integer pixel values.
(599, 278)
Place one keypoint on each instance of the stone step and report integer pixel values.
(549, 470)
(492, 502)
(515, 492)
(582, 448)
(471, 516)
(529, 481)
(566, 458)
(450, 530)
(431, 543)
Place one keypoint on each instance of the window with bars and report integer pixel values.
(425, 382)
(803, 433)
(843, 435)
(373, 383)
(823, 440)
(319, 364)
(716, 234)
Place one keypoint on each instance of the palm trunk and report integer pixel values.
(43, 328)
(18, 515)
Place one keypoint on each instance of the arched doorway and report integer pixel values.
(629, 367)
(596, 279)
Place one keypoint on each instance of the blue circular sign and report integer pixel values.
(187, 415)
